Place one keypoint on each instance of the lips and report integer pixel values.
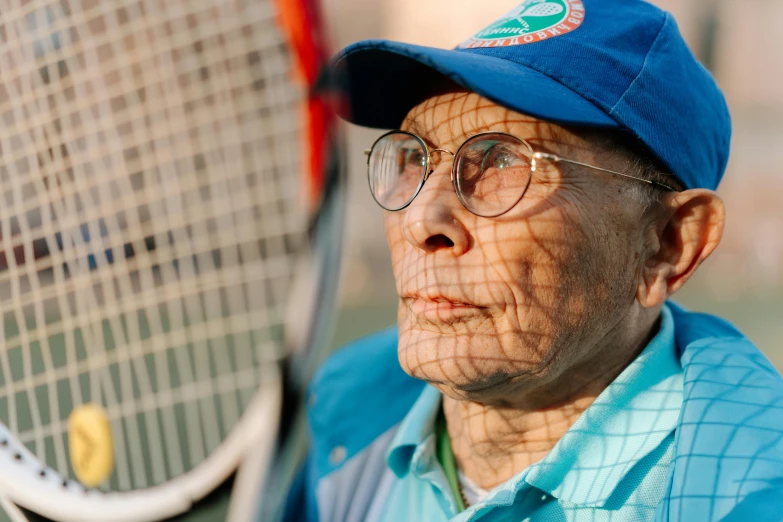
(441, 308)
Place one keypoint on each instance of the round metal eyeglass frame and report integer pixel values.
(535, 157)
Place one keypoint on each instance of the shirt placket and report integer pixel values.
(425, 467)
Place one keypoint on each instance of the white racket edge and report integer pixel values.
(11, 511)
(21, 482)
(251, 478)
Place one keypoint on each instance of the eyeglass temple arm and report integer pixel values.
(557, 159)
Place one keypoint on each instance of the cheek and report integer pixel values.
(587, 256)
(533, 256)
(557, 265)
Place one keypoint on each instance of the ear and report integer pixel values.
(687, 233)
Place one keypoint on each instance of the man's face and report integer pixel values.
(493, 306)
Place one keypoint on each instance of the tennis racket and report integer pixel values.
(169, 229)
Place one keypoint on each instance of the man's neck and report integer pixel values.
(493, 443)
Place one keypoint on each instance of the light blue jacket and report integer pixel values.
(728, 449)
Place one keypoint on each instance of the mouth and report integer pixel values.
(441, 309)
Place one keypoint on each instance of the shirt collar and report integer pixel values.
(631, 418)
(415, 428)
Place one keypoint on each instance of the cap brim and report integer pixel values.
(384, 80)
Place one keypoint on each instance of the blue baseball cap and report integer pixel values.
(613, 64)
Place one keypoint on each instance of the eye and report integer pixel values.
(414, 157)
(410, 158)
(500, 157)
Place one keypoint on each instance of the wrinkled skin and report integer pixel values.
(522, 320)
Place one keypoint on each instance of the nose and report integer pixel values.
(434, 220)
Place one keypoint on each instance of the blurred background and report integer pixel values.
(740, 42)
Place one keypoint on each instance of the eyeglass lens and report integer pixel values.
(397, 166)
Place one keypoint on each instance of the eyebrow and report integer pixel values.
(414, 127)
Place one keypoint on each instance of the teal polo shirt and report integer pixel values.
(611, 465)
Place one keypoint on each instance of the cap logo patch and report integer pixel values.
(530, 22)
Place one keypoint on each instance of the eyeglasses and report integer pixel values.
(490, 171)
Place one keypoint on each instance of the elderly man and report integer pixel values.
(550, 187)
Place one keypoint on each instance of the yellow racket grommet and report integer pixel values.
(90, 444)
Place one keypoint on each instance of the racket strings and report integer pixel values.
(148, 222)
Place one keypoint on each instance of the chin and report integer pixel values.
(464, 366)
